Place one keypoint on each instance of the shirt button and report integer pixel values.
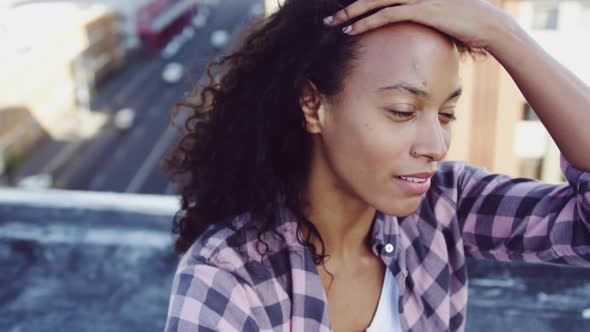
(405, 273)
(389, 248)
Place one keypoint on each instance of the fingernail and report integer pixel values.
(347, 29)
(328, 20)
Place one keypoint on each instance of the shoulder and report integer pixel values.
(448, 174)
(217, 280)
(446, 181)
(219, 245)
(206, 293)
(453, 176)
(237, 247)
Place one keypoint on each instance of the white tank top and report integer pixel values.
(387, 315)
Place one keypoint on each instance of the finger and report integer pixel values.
(359, 8)
(383, 17)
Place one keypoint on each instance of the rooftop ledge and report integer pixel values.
(94, 261)
(61, 216)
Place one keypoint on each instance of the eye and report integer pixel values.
(448, 116)
(404, 115)
(401, 110)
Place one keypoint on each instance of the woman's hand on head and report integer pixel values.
(474, 22)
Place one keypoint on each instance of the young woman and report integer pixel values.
(315, 197)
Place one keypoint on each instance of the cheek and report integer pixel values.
(364, 149)
(350, 141)
(448, 133)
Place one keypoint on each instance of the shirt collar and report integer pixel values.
(384, 238)
(384, 233)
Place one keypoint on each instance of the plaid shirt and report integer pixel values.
(223, 284)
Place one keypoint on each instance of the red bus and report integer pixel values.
(160, 20)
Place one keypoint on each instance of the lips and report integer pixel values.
(415, 184)
(423, 175)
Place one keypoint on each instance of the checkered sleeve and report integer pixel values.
(506, 218)
(207, 298)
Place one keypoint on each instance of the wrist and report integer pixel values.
(504, 36)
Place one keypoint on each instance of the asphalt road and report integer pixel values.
(129, 162)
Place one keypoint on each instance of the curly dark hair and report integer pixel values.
(245, 149)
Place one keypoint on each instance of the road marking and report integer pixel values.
(138, 78)
(152, 160)
(63, 156)
(166, 139)
(67, 152)
(168, 94)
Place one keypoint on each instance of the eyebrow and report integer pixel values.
(407, 87)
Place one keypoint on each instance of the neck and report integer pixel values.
(342, 218)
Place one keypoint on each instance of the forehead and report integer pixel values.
(406, 52)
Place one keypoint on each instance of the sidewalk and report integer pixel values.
(54, 152)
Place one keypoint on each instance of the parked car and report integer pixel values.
(171, 49)
(200, 19)
(37, 181)
(188, 33)
(174, 45)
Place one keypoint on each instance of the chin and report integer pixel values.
(401, 207)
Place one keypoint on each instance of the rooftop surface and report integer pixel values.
(82, 261)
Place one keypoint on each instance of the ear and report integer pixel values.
(313, 108)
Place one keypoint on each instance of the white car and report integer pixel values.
(200, 19)
(38, 181)
(219, 39)
(124, 119)
(188, 32)
(171, 49)
(172, 72)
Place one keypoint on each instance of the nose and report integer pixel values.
(431, 139)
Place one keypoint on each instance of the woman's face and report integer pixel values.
(393, 117)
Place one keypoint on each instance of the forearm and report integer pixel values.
(558, 97)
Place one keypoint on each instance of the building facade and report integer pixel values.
(498, 129)
(50, 67)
